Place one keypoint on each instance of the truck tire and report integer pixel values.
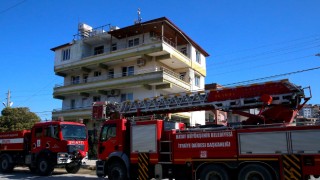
(5, 165)
(73, 168)
(254, 171)
(214, 172)
(45, 167)
(117, 171)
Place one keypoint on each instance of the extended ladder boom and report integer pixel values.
(235, 98)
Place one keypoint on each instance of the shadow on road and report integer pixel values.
(57, 174)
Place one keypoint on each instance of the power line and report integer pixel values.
(268, 57)
(316, 36)
(274, 51)
(11, 7)
(271, 77)
(261, 66)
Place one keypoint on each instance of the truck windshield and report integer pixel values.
(73, 132)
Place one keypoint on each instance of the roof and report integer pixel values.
(61, 46)
(171, 31)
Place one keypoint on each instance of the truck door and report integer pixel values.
(108, 141)
(36, 139)
(50, 139)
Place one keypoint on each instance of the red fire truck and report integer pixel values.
(265, 146)
(45, 146)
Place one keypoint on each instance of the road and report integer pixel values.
(60, 174)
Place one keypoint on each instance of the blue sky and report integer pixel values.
(246, 40)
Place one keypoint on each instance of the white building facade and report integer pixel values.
(115, 64)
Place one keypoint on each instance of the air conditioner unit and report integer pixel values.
(113, 92)
(141, 62)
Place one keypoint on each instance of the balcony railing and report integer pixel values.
(93, 32)
(76, 108)
(122, 75)
(123, 47)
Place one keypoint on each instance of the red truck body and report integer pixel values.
(265, 146)
(46, 145)
(13, 141)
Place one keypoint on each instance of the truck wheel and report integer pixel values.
(73, 167)
(214, 172)
(117, 171)
(254, 172)
(45, 167)
(5, 165)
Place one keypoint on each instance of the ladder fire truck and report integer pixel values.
(46, 145)
(265, 146)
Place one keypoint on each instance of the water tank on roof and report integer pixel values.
(84, 29)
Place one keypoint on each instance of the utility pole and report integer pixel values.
(9, 103)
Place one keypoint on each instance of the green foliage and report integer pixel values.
(16, 119)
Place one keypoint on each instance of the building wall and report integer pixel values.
(84, 51)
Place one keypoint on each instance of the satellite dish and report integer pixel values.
(11, 103)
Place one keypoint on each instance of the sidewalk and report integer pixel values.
(89, 164)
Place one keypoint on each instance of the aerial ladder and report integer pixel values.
(278, 101)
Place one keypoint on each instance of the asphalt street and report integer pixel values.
(59, 173)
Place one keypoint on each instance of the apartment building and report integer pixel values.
(114, 64)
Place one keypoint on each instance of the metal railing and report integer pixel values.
(75, 108)
(124, 74)
(124, 46)
(94, 32)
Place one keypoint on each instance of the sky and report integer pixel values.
(246, 40)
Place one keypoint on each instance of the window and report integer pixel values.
(97, 73)
(75, 79)
(130, 96)
(211, 118)
(98, 50)
(125, 97)
(111, 73)
(84, 102)
(182, 75)
(66, 54)
(114, 47)
(72, 103)
(152, 34)
(184, 50)
(197, 80)
(96, 98)
(108, 131)
(133, 42)
(52, 131)
(38, 132)
(85, 78)
(198, 57)
(128, 71)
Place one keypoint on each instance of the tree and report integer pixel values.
(16, 119)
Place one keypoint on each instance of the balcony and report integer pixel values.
(72, 113)
(160, 77)
(156, 47)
